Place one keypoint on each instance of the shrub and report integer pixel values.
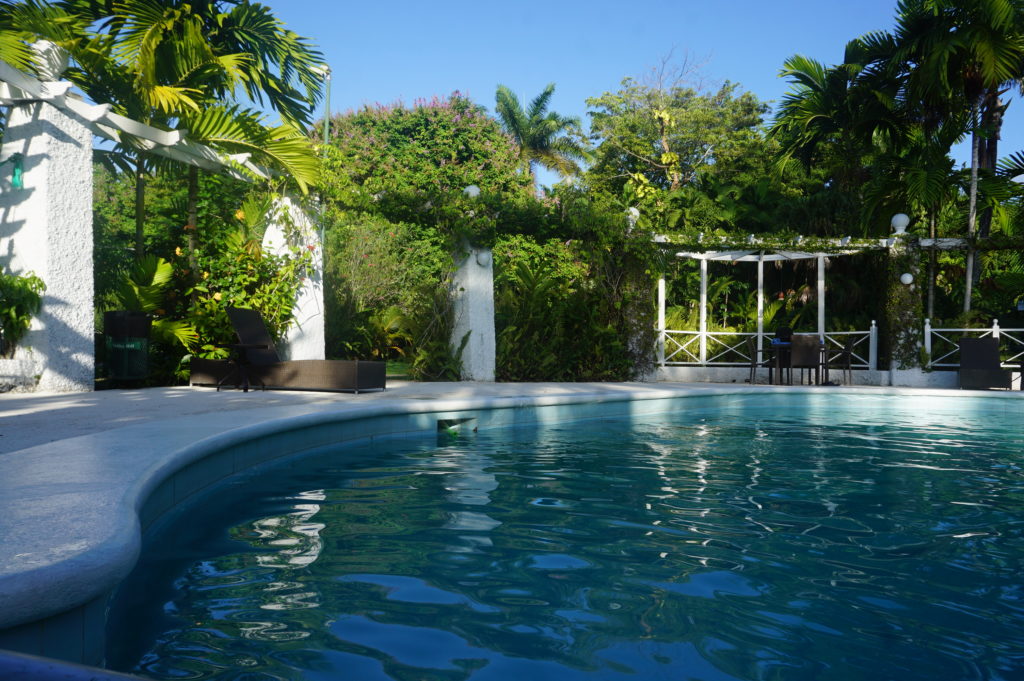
(20, 299)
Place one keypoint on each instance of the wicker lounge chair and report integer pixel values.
(256, 362)
(980, 367)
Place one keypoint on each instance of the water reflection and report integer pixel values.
(709, 547)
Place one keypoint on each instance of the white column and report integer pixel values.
(873, 346)
(928, 340)
(760, 300)
(290, 227)
(473, 298)
(703, 311)
(47, 229)
(661, 320)
(821, 297)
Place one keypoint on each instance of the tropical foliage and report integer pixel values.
(143, 288)
(405, 190)
(20, 300)
(882, 124)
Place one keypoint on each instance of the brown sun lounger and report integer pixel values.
(256, 363)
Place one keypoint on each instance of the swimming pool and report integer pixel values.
(778, 536)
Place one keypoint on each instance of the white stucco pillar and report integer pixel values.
(46, 228)
(821, 297)
(290, 228)
(703, 310)
(473, 299)
(661, 320)
(760, 300)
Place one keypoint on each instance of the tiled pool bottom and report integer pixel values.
(71, 509)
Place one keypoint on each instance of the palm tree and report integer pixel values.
(968, 51)
(543, 137)
(210, 49)
(851, 106)
(173, 63)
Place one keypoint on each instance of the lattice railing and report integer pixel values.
(729, 348)
(944, 352)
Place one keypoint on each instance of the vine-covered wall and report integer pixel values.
(904, 312)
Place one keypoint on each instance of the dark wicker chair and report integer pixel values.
(758, 358)
(805, 353)
(980, 366)
(843, 360)
(256, 361)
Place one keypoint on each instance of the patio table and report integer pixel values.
(782, 359)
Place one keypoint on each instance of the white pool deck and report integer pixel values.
(78, 470)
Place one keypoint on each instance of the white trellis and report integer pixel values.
(759, 256)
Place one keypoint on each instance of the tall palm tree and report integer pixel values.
(543, 137)
(966, 50)
(848, 112)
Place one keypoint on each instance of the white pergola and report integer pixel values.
(761, 256)
(17, 88)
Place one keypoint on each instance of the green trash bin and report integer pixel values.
(127, 344)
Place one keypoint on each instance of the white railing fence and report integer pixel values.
(729, 348)
(943, 350)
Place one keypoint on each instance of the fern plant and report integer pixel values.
(20, 299)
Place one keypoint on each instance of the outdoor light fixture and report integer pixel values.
(472, 191)
(17, 163)
(899, 223)
(906, 278)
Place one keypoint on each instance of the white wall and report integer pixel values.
(292, 228)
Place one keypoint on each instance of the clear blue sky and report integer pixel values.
(405, 49)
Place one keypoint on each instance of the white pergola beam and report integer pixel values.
(17, 87)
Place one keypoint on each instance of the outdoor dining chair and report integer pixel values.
(758, 358)
(843, 360)
(805, 354)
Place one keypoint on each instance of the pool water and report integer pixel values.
(774, 540)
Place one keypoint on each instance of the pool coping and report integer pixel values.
(72, 512)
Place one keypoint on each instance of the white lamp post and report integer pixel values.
(325, 70)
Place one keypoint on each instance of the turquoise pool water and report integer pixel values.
(759, 539)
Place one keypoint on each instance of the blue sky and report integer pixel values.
(403, 49)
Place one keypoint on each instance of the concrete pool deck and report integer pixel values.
(82, 475)
(31, 419)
